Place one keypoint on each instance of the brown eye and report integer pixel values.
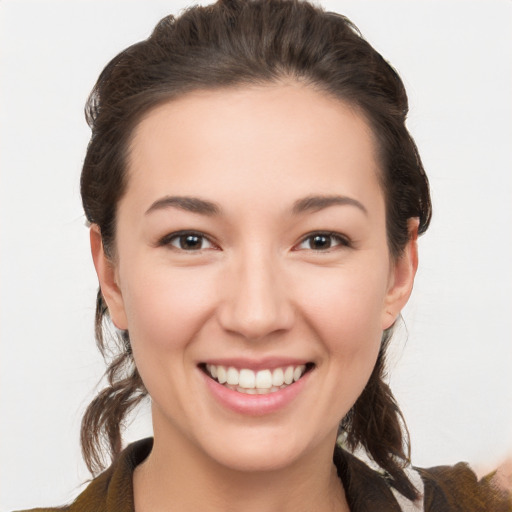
(322, 241)
(319, 242)
(190, 242)
(187, 241)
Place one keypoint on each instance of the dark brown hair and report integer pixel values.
(232, 43)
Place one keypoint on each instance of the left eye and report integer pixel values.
(188, 241)
(322, 241)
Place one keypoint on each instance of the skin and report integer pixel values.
(256, 288)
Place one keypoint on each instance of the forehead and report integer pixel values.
(275, 140)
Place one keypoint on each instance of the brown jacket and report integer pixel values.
(446, 488)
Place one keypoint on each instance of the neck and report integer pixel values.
(177, 476)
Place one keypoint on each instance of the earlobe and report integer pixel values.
(402, 277)
(106, 271)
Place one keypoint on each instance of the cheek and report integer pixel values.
(165, 309)
(352, 334)
(346, 306)
(165, 312)
(342, 310)
(345, 313)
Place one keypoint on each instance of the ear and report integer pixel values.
(402, 276)
(107, 276)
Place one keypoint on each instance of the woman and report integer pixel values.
(254, 200)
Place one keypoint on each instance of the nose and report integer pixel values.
(256, 301)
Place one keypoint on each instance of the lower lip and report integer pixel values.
(255, 405)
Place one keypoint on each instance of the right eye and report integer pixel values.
(189, 241)
(323, 241)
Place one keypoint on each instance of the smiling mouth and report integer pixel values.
(260, 382)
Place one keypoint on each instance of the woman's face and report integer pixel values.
(251, 246)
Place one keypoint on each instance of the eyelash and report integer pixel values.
(180, 236)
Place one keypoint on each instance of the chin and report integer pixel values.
(260, 451)
(255, 459)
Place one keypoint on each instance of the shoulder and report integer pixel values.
(112, 491)
(457, 488)
(443, 488)
(93, 498)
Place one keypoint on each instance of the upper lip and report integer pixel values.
(256, 364)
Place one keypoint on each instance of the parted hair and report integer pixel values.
(229, 44)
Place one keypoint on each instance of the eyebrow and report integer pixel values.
(316, 203)
(204, 207)
(187, 203)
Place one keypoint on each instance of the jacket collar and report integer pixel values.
(366, 489)
(112, 491)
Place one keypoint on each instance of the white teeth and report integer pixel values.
(221, 374)
(298, 372)
(253, 391)
(278, 377)
(232, 376)
(288, 375)
(264, 379)
(261, 382)
(247, 379)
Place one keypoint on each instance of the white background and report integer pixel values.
(452, 375)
